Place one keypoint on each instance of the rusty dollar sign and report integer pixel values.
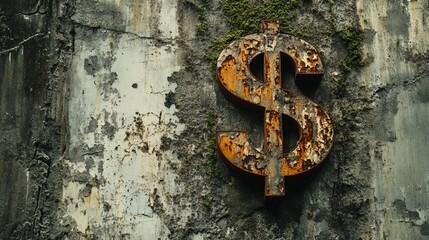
(240, 85)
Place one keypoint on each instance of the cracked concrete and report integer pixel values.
(108, 112)
(20, 44)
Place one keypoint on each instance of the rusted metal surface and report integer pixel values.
(239, 84)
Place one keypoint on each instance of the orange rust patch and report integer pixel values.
(316, 130)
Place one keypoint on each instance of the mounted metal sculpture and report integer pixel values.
(239, 85)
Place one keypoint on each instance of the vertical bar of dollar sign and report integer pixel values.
(240, 86)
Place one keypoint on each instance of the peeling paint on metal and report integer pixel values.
(237, 83)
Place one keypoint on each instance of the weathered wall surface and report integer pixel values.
(398, 74)
(119, 120)
(31, 117)
(109, 108)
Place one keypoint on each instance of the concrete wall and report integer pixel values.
(398, 75)
(31, 118)
(108, 110)
(119, 119)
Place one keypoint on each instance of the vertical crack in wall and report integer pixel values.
(28, 134)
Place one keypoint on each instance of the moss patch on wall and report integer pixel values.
(353, 37)
(211, 147)
(202, 25)
(244, 17)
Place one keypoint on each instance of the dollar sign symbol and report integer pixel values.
(239, 84)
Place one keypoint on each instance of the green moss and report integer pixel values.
(211, 150)
(211, 118)
(212, 158)
(202, 25)
(299, 33)
(206, 205)
(201, 28)
(353, 37)
(247, 15)
(218, 44)
(244, 17)
(211, 147)
(202, 8)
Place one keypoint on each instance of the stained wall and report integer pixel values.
(109, 111)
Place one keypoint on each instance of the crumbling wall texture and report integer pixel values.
(109, 111)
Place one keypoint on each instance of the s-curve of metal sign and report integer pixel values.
(239, 84)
